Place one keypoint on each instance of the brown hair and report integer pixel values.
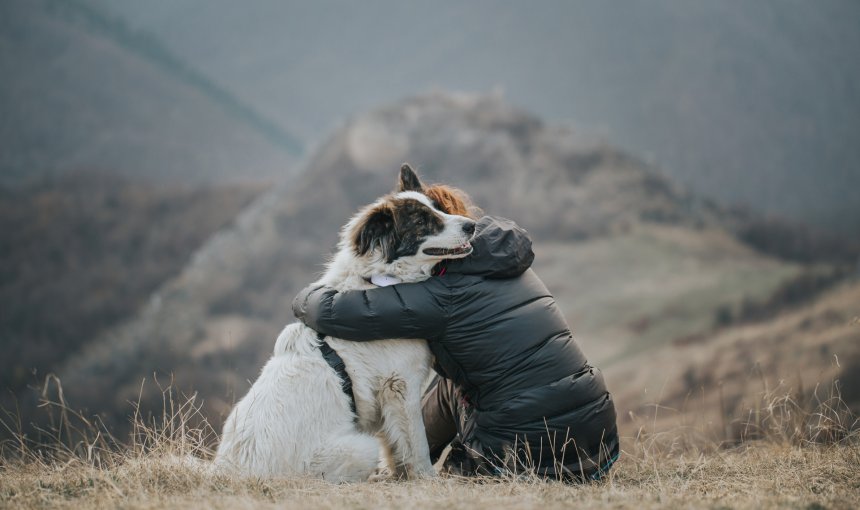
(451, 200)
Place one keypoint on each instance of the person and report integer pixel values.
(514, 393)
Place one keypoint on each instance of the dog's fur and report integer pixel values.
(296, 419)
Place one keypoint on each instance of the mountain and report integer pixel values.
(81, 90)
(634, 261)
(754, 103)
(82, 252)
(731, 378)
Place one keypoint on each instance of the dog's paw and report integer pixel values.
(382, 474)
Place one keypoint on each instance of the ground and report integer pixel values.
(757, 476)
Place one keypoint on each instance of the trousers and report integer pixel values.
(449, 421)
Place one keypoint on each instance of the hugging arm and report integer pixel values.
(408, 310)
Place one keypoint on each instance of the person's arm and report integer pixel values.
(408, 310)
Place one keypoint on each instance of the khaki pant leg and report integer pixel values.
(440, 416)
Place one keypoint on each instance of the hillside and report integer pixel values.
(719, 381)
(82, 91)
(609, 232)
(82, 252)
(629, 293)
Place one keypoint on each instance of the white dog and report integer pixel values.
(296, 419)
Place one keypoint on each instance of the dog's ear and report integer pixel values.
(409, 180)
(377, 231)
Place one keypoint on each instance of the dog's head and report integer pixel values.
(406, 227)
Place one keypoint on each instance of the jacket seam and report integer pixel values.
(448, 302)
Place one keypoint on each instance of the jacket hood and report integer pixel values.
(501, 249)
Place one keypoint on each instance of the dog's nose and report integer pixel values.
(469, 227)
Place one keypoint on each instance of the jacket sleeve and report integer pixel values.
(408, 310)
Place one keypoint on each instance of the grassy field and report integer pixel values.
(764, 475)
(806, 459)
(745, 442)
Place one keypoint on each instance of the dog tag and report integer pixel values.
(384, 280)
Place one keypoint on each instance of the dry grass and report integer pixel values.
(801, 461)
(763, 476)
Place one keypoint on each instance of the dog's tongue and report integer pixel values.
(384, 280)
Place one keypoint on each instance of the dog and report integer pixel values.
(297, 420)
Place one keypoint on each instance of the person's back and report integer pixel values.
(518, 381)
(525, 376)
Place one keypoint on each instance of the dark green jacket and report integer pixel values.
(498, 334)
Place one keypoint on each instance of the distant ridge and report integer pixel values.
(82, 91)
(756, 105)
(149, 47)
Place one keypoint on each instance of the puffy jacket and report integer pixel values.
(497, 333)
